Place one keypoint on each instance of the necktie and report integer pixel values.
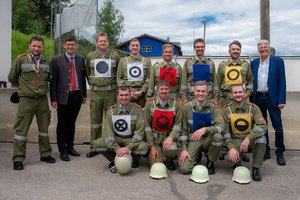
(73, 76)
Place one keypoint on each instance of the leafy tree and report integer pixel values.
(111, 21)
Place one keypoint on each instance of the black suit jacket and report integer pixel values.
(60, 81)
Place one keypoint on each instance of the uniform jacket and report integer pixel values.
(122, 78)
(149, 114)
(22, 75)
(276, 80)
(60, 81)
(137, 127)
(247, 77)
(217, 124)
(187, 76)
(259, 126)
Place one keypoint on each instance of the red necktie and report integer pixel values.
(73, 75)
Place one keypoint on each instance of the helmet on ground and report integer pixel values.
(123, 164)
(241, 175)
(158, 171)
(200, 174)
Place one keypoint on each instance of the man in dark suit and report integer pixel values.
(67, 92)
(269, 93)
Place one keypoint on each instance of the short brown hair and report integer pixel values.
(133, 40)
(236, 42)
(198, 40)
(36, 38)
(101, 34)
(162, 83)
(70, 39)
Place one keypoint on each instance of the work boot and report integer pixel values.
(267, 155)
(48, 159)
(112, 167)
(210, 167)
(91, 154)
(280, 159)
(170, 165)
(256, 176)
(18, 165)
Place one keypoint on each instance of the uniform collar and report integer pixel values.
(123, 110)
(157, 102)
(134, 58)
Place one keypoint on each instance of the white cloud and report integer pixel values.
(233, 19)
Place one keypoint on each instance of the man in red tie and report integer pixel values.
(67, 92)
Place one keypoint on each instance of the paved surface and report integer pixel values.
(90, 179)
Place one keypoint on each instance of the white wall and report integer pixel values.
(5, 38)
(292, 69)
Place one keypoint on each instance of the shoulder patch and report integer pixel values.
(113, 106)
(21, 55)
(150, 99)
(214, 102)
(253, 105)
(227, 105)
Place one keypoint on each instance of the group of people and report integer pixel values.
(162, 112)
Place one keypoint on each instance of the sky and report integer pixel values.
(227, 20)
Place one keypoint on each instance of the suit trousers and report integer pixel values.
(66, 119)
(265, 104)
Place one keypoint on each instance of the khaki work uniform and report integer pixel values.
(31, 76)
(233, 73)
(170, 72)
(122, 127)
(194, 117)
(245, 121)
(188, 79)
(101, 71)
(156, 113)
(134, 72)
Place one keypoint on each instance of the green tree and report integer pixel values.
(111, 21)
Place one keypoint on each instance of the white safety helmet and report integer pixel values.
(241, 175)
(123, 164)
(200, 174)
(158, 171)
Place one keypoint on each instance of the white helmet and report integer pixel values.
(241, 175)
(158, 171)
(123, 164)
(200, 174)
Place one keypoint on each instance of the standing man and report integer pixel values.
(30, 73)
(270, 94)
(133, 71)
(67, 93)
(101, 70)
(166, 70)
(245, 129)
(123, 131)
(163, 125)
(202, 124)
(198, 68)
(233, 71)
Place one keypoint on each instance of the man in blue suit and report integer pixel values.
(269, 93)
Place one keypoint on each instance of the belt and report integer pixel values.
(74, 92)
(263, 93)
(104, 88)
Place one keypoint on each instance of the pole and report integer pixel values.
(204, 22)
(59, 39)
(265, 20)
(51, 30)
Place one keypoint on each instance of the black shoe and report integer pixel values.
(64, 157)
(91, 154)
(256, 176)
(170, 165)
(281, 160)
(210, 167)
(112, 167)
(48, 159)
(245, 158)
(73, 152)
(222, 156)
(18, 165)
(267, 155)
(135, 165)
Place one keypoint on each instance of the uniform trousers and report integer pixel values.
(211, 145)
(140, 149)
(101, 101)
(66, 118)
(28, 107)
(265, 104)
(256, 146)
